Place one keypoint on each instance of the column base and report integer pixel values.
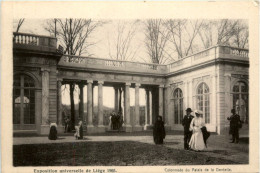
(44, 129)
(128, 128)
(167, 127)
(91, 129)
(148, 127)
(60, 129)
(138, 128)
(101, 129)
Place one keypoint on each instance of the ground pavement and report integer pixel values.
(218, 146)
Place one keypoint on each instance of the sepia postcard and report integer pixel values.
(114, 87)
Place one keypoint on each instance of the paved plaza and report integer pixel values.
(139, 145)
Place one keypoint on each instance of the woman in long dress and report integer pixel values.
(159, 131)
(196, 142)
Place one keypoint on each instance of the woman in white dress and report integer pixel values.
(196, 142)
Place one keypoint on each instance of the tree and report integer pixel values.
(73, 34)
(20, 22)
(123, 48)
(156, 39)
(240, 38)
(224, 32)
(182, 35)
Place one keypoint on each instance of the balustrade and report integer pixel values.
(34, 40)
(22, 39)
(239, 52)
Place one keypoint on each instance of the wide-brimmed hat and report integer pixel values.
(188, 110)
(198, 112)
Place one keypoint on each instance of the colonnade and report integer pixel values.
(150, 111)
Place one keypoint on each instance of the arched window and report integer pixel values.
(178, 106)
(203, 103)
(240, 100)
(23, 100)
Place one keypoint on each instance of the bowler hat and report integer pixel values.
(188, 110)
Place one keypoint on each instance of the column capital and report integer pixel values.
(137, 84)
(101, 82)
(161, 86)
(226, 75)
(89, 81)
(59, 79)
(127, 83)
(45, 69)
(167, 86)
(81, 84)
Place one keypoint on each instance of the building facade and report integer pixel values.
(214, 80)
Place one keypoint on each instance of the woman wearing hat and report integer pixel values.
(196, 141)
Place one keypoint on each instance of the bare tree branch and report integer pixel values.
(20, 22)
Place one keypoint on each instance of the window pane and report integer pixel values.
(28, 81)
(236, 88)
(17, 81)
(243, 87)
(206, 89)
(16, 113)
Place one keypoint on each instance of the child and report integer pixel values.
(79, 131)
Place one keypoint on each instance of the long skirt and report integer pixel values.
(196, 141)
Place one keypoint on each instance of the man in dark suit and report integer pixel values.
(186, 124)
(234, 126)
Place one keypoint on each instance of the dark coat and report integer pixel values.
(186, 123)
(205, 134)
(53, 133)
(80, 132)
(234, 123)
(159, 132)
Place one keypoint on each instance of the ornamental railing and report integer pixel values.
(34, 42)
(109, 64)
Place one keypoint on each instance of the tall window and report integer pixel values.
(23, 100)
(178, 106)
(240, 100)
(203, 103)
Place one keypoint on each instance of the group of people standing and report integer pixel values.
(195, 131)
(115, 121)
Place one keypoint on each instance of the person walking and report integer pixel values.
(186, 124)
(197, 142)
(235, 124)
(159, 131)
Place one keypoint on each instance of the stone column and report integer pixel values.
(168, 117)
(213, 100)
(137, 109)
(151, 107)
(128, 126)
(147, 109)
(59, 105)
(81, 103)
(101, 127)
(89, 104)
(116, 99)
(45, 101)
(161, 100)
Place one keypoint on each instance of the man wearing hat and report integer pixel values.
(186, 124)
